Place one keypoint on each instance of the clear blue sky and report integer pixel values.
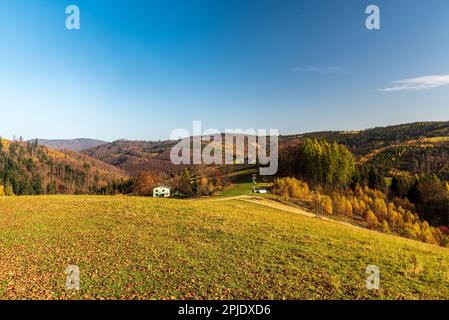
(139, 69)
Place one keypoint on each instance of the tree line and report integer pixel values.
(371, 208)
(319, 162)
(333, 168)
(190, 182)
(27, 168)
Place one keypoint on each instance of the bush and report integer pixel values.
(326, 204)
(372, 220)
(385, 227)
(6, 191)
(291, 188)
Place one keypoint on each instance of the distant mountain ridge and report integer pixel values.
(407, 147)
(71, 144)
(399, 149)
(136, 156)
(366, 141)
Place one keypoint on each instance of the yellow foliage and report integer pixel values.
(5, 143)
(292, 188)
(371, 219)
(371, 205)
(348, 208)
(385, 227)
(326, 204)
(380, 208)
(6, 191)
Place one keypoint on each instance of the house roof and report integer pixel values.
(162, 187)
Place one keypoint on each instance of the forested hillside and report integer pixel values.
(135, 157)
(403, 168)
(414, 147)
(366, 141)
(403, 149)
(71, 144)
(27, 168)
(140, 156)
(331, 169)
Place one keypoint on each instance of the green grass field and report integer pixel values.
(143, 248)
(237, 189)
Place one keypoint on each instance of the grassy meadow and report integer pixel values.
(144, 248)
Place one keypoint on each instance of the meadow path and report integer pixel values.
(283, 207)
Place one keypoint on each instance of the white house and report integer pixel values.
(161, 192)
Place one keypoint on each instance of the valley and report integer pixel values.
(341, 201)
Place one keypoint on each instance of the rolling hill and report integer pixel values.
(184, 249)
(29, 168)
(144, 248)
(411, 148)
(366, 141)
(71, 144)
(421, 147)
(136, 156)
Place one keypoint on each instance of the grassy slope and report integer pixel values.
(163, 248)
(237, 189)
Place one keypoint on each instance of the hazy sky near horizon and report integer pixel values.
(140, 69)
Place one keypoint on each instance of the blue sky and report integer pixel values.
(139, 69)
